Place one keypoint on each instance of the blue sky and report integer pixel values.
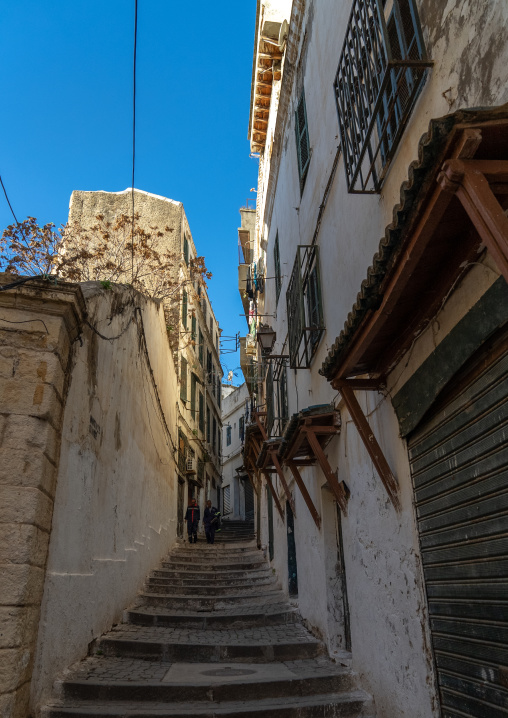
(66, 120)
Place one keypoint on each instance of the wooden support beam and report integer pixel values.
(331, 478)
(469, 180)
(320, 429)
(261, 428)
(366, 384)
(274, 494)
(278, 469)
(370, 442)
(306, 496)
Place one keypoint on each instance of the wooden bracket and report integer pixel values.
(332, 479)
(261, 428)
(306, 496)
(470, 180)
(278, 468)
(274, 494)
(370, 442)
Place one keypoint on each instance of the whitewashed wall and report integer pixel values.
(233, 407)
(389, 631)
(115, 505)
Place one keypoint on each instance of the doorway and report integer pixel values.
(292, 567)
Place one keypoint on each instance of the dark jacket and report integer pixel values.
(193, 514)
(209, 515)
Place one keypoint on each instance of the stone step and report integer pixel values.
(213, 550)
(169, 587)
(349, 704)
(192, 680)
(285, 643)
(211, 603)
(203, 575)
(203, 565)
(223, 578)
(251, 616)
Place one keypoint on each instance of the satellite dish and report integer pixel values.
(283, 34)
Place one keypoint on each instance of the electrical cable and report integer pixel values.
(134, 129)
(8, 201)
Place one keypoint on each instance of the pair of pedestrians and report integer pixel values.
(210, 521)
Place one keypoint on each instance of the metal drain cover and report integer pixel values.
(227, 671)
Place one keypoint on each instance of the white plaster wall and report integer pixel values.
(116, 499)
(233, 407)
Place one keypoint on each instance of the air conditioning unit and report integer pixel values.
(190, 468)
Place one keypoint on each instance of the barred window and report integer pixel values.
(201, 349)
(228, 436)
(381, 71)
(304, 307)
(193, 395)
(201, 412)
(276, 262)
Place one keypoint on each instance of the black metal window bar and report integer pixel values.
(270, 415)
(304, 307)
(381, 71)
(183, 449)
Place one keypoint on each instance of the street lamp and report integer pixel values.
(266, 338)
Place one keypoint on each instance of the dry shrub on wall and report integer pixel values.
(120, 252)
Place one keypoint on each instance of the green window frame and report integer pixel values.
(201, 350)
(276, 261)
(186, 249)
(193, 395)
(201, 412)
(185, 301)
(302, 140)
(193, 328)
(183, 379)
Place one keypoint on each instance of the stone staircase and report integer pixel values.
(210, 635)
(232, 531)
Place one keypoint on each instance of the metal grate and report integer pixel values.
(304, 307)
(381, 71)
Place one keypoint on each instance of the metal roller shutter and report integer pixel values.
(459, 464)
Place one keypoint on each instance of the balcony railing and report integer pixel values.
(381, 72)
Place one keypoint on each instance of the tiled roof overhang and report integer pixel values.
(434, 147)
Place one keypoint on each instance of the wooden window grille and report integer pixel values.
(304, 307)
(381, 71)
(302, 140)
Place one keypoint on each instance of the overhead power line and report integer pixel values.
(8, 201)
(134, 127)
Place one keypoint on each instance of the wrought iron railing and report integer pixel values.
(381, 71)
(304, 307)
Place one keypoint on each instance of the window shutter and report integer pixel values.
(193, 330)
(302, 140)
(183, 379)
(201, 412)
(184, 309)
(193, 395)
(186, 250)
(276, 259)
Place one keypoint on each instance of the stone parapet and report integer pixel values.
(39, 321)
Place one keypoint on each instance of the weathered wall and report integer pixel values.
(389, 628)
(38, 322)
(115, 502)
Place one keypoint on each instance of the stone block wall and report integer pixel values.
(38, 323)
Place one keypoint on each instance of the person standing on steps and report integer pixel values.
(192, 517)
(210, 520)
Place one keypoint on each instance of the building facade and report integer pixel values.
(237, 492)
(193, 331)
(377, 441)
